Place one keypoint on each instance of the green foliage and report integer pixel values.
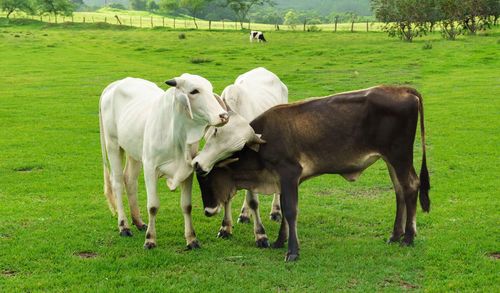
(169, 6)
(10, 6)
(56, 7)
(117, 6)
(152, 6)
(242, 7)
(138, 4)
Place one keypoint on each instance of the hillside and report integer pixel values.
(324, 7)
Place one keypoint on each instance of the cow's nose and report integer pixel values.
(224, 117)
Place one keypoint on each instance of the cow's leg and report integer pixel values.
(151, 179)
(282, 234)
(260, 233)
(411, 194)
(400, 220)
(289, 202)
(115, 160)
(275, 214)
(244, 216)
(132, 169)
(226, 228)
(189, 234)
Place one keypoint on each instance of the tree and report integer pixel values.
(451, 11)
(169, 6)
(10, 6)
(56, 7)
(405, 19)
(193, 7)
(242, 7)
(152, 6)
(291, 19)
(138, 4)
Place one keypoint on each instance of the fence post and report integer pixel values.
(105, 19)
(84, 19)
(336, 20)
(174, 22)
(235, 25)
(367, 26)
(352, 26)
(118, 19)
(209, 25)
(151, 21)
(163, 22)
(131, 21)
(140, 21)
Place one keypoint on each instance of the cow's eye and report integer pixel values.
(194, 92)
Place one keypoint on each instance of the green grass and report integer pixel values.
(56, 232)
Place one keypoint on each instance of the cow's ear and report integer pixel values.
(171, 82)
(184, 101)
(255, 143)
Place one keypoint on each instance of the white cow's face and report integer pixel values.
(196, 94)
(222, 142)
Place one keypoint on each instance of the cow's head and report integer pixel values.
(222, 142)
(216, 189)
(196, 96)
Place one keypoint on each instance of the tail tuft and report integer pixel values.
(425, 186)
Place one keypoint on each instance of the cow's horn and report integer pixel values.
(171, 82)
(226, 162)
(257, 139)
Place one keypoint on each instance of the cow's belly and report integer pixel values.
(350, 166)
(130, 128)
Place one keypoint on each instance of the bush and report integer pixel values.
(182, 36)
(117, 6)
(427, 46)
(200, 60)
(313, 28)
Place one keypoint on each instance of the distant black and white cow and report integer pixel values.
(342, 134)
(257, 35)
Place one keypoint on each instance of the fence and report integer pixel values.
(150, 21)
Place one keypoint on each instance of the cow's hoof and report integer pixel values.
(193, 245)
(275, 217)
(262, 243)
(149, 245)
(144, 227)
(126, 233)
(394, 239)
(407, 241)
(243, 220)
(224, 234)
(291, 257)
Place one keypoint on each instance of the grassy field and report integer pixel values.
(56, 232)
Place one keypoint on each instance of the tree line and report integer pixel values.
(408, 19)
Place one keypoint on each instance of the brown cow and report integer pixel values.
(341, 134)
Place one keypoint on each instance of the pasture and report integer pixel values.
(56, 232)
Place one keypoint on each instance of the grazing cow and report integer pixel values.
(161, 130)
(341, 134)
(257, 35)
(251, 94)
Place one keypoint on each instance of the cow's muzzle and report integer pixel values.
(212, 211)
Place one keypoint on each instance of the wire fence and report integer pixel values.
(150, 21)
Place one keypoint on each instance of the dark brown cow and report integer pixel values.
(341, 134)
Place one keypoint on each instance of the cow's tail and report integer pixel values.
(108, 191)
(425, 184)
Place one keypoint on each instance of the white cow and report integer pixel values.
(251, 94)
(161, 130)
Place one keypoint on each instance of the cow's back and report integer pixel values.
(259, 90)
(343, 130)
(125, 105)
